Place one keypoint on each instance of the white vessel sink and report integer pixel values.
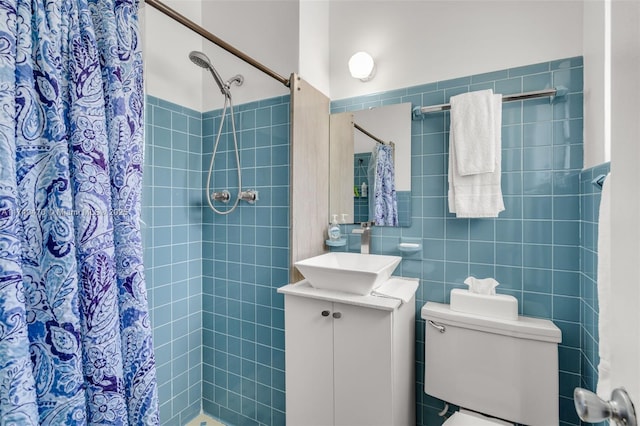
(348, 272)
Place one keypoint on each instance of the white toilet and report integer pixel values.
(498, 371)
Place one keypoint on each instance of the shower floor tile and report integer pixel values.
(204, 420)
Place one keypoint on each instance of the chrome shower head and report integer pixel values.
(201, 60)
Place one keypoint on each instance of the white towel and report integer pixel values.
(604, 291)
(473, 123)
(476, 195)
(402, 289)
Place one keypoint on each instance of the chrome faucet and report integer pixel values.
(365, 236)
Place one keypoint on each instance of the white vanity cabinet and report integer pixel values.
(349, 359)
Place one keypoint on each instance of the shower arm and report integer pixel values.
(171, 13)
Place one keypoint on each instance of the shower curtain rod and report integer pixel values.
(163, 8)
(553, 92)
(372, 136)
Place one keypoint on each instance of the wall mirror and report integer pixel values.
(352, 162)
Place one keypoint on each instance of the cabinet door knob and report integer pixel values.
(337, 315)
(325, 313)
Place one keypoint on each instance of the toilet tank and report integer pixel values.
(503, 368)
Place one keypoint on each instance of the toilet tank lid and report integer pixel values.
(523, 327)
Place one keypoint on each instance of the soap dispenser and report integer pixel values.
(363, 190)
(334, 229)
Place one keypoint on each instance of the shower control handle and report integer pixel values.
(223, 196)
(250, 196)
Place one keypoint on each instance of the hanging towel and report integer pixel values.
(385, 198)
(604, 291)
(472, 123)
(480, 194)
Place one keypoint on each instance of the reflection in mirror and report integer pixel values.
(353, 162)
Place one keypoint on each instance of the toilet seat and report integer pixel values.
(470, 418)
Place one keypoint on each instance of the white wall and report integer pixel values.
(413, 42)
(625, 201)
(314, 44)
(596, 97)
(168, 72)
(265, 30)
(416, 42)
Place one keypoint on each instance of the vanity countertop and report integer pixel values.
(304, 289)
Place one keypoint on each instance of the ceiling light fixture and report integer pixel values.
(361, 66)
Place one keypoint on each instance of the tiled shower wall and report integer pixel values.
(360, 201)
(172, 232)
(533, 248)
(245, 259)
(217, 319)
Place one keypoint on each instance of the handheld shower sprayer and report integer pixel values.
(201, 60)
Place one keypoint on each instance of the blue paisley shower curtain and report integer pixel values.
(385, 202)
(75, 337)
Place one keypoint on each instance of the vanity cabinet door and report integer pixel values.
(309, 361)
(362, 369)
(339, 365)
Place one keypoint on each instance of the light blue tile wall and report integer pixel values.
(404, 208)
(245, 259)
(172, 229)
(589, 214)
(533, 248)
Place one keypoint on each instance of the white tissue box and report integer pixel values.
(496, 306)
